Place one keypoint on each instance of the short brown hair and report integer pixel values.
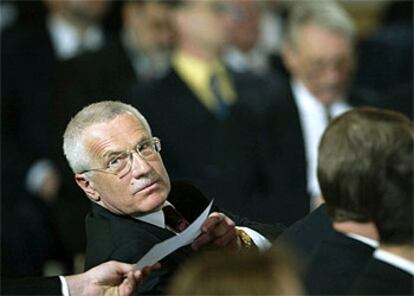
(394, 212)
(248, 272)
(353, 152)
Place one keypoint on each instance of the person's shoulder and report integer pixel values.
(152, 93)
(379, 277)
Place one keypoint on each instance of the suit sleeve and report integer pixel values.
(31, 286)
(271, 232)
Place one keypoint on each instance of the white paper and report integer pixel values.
(160, 250)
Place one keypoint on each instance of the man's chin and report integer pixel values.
(153, 202)
(328, 99)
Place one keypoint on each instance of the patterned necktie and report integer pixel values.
(174, 219)
(222, 107)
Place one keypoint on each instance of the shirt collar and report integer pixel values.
(67, 41)
(196, 73)
(363, 239)
(147, 65)
(194, 69)
(309, 103)
(394, 260)
(154, 218)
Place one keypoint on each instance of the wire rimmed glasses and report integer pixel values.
(120, 164)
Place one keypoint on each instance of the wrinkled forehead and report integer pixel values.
(123, 130)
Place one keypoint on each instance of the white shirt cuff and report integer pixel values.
(64, 288)
(259, 240)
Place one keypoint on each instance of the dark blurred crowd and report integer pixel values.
(239, 92)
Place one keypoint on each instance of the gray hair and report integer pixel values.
(104, 111)
(326, 14)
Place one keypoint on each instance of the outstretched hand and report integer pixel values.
(110, 278)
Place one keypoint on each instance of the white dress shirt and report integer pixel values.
(64, 286)
(363, 239)
(313, 120)
(68, 42)
(395, 260)
(146, 65)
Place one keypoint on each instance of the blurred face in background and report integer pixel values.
(79, 12)
(322, 60)
(244, 23)
(150, 24)
(203, 24)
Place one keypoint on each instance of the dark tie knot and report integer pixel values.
(174, 219)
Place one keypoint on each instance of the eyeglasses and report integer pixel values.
(121, 163)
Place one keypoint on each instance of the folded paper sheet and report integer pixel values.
(160, 250)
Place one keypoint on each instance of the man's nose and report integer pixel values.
(139, 166)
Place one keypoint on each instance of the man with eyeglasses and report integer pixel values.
(116, 162)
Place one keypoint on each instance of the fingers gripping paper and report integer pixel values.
(163, 249)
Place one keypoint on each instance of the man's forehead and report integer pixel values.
(123, 125)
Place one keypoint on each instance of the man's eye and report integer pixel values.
(115, 162)
(144, 146)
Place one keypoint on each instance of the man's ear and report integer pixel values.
(87, 187)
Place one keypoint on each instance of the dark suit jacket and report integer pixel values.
(29, 73)
(31, 286)
(114, 237)
(189, 131)
(273, 170)
(380, 278)
(105, 74)
(287, 165)
(335, 265)
(305, 235)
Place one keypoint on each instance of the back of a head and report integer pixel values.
(326, 14)
(353, 154)
(394, 211)
(245, 273)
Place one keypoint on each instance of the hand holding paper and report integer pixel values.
(218, 232)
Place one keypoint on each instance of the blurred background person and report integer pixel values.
(385, 57)
(35, 56)
(196, 96)
(246, 273)
(242, 54)
(138, 53)
(318, 51)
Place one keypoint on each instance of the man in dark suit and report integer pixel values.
(139, 53)
(304, 236)
(391, 270)
(116, 161)
(353, 154)
(196, 96)
(110, 278)
(318, 52)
